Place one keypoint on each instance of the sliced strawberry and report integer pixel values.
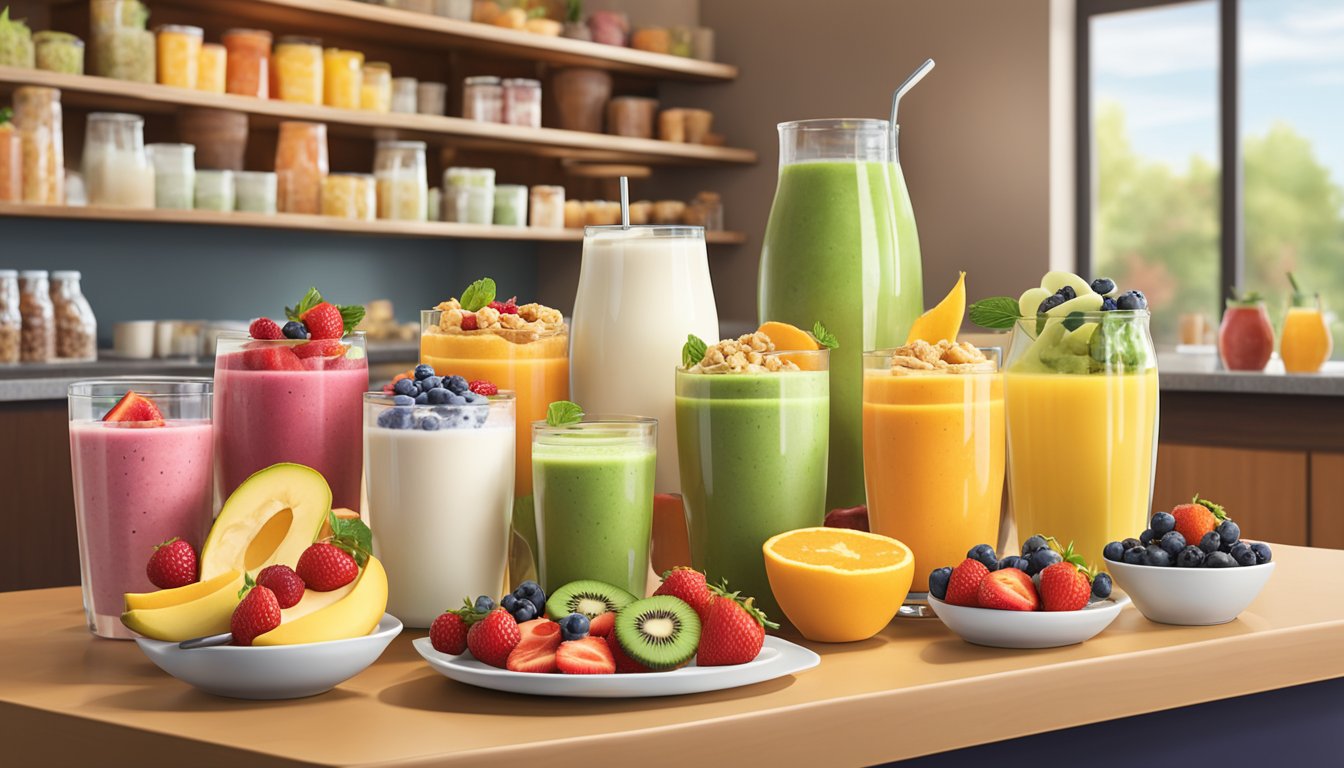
(135, 410)
(321, 348)
(589, 656)
(271, 357)
(1009, 589)
(603, 625)
(624, 664)
(535, 651)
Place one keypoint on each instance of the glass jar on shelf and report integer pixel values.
(706, 210)
(431, 98)
(59, 52)
(122, 46)
(404, 94)
(117, 172)
(349, 196)
(547, 207)
(453, 9)
(298, 69)
(301, 162)
(469, 195)
(343, 78)
(11, 322)
(76, 326)
(212, 69)
(631, 116)
(402, 180)
(174, 175)
(214, 191)
(522, 102)
(11, 161)
(37, 341)
(510, 205)
(375, 94)
(254, 191)
(179, 49)
(16, 42)
(483, 99)
(37, 118)
(248, 63)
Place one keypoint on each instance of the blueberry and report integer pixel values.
(1101, 585)
(472, 397)
(1190, 557)
(1161, 523)
(1050, 303)
(1134, 556)
(1044, 558)
(508, 602)
(524, 610)
(484, 603)
(433, 382)
(985, 554)
(1146, 537)
(438, 396)
(574, 627)
(403, 400)
(1103, 285)
(938, 582)
(1132, 300)
(1131, 543)
(405, 387)
(1108, 304)
(1262, 553)
(531, 590)
(1243, 554)
(1229, 531)
(1034, 543)
(1020, 563)
(422, 398)
(1067, 292)
(295, 330)
(1156, 556)
(1113, 551)
(457, 384)
(423, 372)
(429, 422)
(1211, 542)
(455, 399)
(1173, 542)
(1219, 560)
(394, 418)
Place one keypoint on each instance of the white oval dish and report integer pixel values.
(777, 658)
(1194, 597)
(1028, 629)
(272, 672)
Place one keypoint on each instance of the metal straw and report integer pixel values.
(910, 82)
(625, 202)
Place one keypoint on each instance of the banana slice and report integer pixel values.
(1031, 301)
(1085, 302)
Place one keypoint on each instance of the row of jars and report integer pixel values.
(45, 318)
(511, 101)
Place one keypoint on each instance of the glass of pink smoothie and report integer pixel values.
(137, 484)
(291, 400)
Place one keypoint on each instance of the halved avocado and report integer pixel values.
(272, 518)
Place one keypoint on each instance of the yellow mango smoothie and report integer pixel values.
(933, 450)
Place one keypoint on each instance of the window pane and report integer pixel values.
(1155, 158)
(1292, 70)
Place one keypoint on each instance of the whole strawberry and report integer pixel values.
(963, 587)
(265, 328)
(172, 564)
(284, 582)
(324, 567)
(493, 638)
(448, 633)
(1197, 518)
(257, 614)
(1064, 587)
(732, 630)
(687, 584)
(324, 322)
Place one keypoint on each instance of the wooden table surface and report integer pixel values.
(69, 698)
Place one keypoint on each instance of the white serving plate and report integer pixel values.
(1194, 597)
(777, 658)
(1028, 629)
(273, 671)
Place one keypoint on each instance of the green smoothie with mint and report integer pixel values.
(752, 439)
(593, 484)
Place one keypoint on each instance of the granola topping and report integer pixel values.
(943, 357)
(745, 354)
(533, 321)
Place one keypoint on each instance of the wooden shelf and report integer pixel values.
(107, 94)
(300, 222)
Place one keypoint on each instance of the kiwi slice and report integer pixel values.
(587, 596)
(660, 632)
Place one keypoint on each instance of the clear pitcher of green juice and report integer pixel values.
(841, 247)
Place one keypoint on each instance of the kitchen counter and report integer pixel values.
(1180, 372)
(916, 689)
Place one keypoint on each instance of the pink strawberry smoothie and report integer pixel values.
(134, 488)
(311, 414)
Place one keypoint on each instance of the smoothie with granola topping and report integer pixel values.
(753, 425)
(933, 449)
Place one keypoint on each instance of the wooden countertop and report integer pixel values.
(915, 689)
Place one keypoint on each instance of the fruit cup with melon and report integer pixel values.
(933, 437)
(752, 422)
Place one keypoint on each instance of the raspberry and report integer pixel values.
(509, 307)
(483, 387)
(469, 322)
(265, 328)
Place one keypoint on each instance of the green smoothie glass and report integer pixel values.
(832, 252)
(593, 485)
(753, 464)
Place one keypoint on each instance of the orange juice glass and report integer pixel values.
(933, 458)
(1305, 342)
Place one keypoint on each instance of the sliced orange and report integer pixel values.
(789, 338)
(838, 585)
(944, 320)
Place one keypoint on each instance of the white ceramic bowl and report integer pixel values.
(1190, 596)
(1028, 629)
(276, 671)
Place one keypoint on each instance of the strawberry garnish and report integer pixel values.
(134, 410)
(1197, 518)
(265, 328)
(324, 567)
(688, 585)
(483, 387)
(509, 307)
(172, 564)
(732, 630)
(1066, 586)
(284, 582)
(257, 614)
(271, 357)
(323, 319)
(321, 348)
(493, 638)
(448, 633)
(589, 656)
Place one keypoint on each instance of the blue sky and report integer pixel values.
(1161, 65)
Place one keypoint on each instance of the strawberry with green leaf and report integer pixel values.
(1198, 518)
(323, 319)
(1066, 585)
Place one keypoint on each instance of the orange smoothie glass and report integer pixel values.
(933, 457)
(1304, 342)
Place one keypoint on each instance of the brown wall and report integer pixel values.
(974, 140)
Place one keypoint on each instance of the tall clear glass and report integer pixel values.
(418, 500)
(933, 453)
(137, 484)
(642, 290)
(1081, 398)
(753, 464)
(117, 171)
(291, 401)
(594, 500)
(830, 255)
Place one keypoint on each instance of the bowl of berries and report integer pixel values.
(1045, 598)
(1190, 566)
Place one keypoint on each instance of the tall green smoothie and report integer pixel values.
(833, 252)
(593, 485)
(752, 447)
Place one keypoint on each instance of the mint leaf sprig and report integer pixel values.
(478, 295)
(693, 351)
(351, 535)
(563, 413)
(999, 313)
(351, 314)
(824, 337)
